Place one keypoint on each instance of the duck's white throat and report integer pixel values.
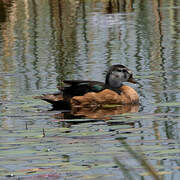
(116, 78)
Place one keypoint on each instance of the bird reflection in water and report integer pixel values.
(103, 113)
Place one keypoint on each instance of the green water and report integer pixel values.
(43, 42)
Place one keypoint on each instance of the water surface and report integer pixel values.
(44, 42)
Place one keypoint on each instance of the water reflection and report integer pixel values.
(104, 113)
(119, 6)
(4, 7)
(43, 42)
(98, 113)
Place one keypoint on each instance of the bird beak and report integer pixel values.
(132, 80)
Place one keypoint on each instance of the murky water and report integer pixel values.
(44, 42)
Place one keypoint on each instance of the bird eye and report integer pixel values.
(124, 70)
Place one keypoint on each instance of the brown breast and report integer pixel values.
(128, 95)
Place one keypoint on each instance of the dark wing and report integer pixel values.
(79, 87)
(79, 82)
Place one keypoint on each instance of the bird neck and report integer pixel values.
(111, 83)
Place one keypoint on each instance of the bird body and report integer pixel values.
(106, 97)
(95, 93)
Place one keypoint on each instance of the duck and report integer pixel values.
(85, 93)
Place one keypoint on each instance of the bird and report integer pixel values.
(94, 93)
